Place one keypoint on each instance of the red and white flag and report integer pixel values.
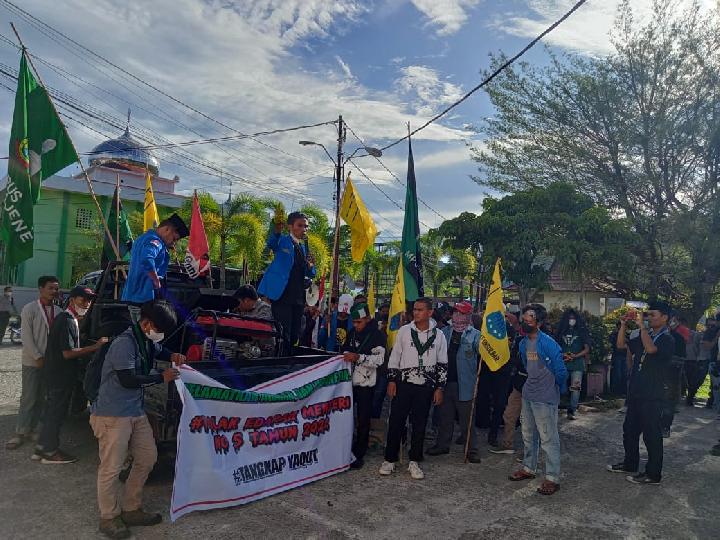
(197, 258)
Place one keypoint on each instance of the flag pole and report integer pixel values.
(117, 226)
(82, 167)
(472, 409)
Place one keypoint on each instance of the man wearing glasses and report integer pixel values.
(284, 280)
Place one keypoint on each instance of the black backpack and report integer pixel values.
(93, 373)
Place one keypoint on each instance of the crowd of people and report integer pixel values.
(431, 373)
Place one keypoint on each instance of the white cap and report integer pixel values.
(345, 303)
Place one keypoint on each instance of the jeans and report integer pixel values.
(447, 410)
(644, 417)
(411, 400)
(117, 436)
(539, 423)
(379, 395)
(362, 396)
(575, 387)
(32, 400)
(618, 374)
(56, 408)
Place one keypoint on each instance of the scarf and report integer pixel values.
(460, 321)
(422, 348)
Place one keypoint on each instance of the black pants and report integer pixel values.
(363, 396)
(411, 400)
(695, 373)
(644, 417)
(56, 409)
(493, 392)
(4, 320)
(289, 316)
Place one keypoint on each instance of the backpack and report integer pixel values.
(93, 373)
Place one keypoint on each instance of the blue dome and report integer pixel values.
(124, 152)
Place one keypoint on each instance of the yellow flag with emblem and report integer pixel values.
(356, 215)
(397, 306)
(494, 346)
(150, 216)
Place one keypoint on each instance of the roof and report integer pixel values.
(557, 280)
(125, 150)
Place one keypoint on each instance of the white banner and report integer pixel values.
(238, 446)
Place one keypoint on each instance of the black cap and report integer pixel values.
(82, 292)
(662, 307)
(179, 225)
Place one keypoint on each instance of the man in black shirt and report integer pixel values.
(646, 396)
(60, 371)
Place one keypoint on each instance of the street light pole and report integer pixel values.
(339, 166)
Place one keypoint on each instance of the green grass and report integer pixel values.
(704, 390)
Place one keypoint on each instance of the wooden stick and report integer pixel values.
(472, 409)
(117, 226)
(82, 167)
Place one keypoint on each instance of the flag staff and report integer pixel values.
(117, 226)
(82, 167)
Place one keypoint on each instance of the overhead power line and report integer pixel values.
(494, 74)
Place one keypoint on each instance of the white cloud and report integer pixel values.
(426, 90)
(587, 30)
(447, 16)
(344, 67)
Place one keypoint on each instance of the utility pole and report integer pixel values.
(339, 169)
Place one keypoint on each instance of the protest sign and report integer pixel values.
(238, 446)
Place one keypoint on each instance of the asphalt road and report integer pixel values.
(454, 501)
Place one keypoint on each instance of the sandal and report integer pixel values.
(519, 475)
(548, 488)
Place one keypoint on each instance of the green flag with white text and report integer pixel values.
(39, 147)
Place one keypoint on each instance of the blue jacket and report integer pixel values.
(148, 254)
(467, 360)
(277, 274)
(550, 352)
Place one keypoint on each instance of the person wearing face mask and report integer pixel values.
(572, 336)
(463, 345)
(546, 380)
(7, 309)
(118, 418)
(61, 371)
(149, 260)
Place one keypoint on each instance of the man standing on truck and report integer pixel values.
(118, 418)
(284, 280)
(61, 372)
(149, 260)
(37, 318)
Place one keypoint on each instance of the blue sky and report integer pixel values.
(267, 64)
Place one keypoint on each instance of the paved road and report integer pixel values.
(454, 501)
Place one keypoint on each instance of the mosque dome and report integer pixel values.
(125, 152)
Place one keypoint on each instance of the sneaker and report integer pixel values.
(690, 402)
(437, 451)
(502, 450)
(140, 518)
(57, 458)
(474, 457)
(622, 410)
(387, 468)
(114, 528)
(357, 464)
(37, 455)
(642, 478)
(415, 471)
(492, 441)
(666, 432)
(15, 442)
(618, 468)
(570, 415)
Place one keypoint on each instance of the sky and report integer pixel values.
(271, 64)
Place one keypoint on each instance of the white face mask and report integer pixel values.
(81, 311)
(8, 294)
(572, 322)
(154, 336)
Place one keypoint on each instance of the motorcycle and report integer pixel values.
(14, 330)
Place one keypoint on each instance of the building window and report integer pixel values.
(84, 219)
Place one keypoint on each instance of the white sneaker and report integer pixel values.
(415, 471)
(387, 468)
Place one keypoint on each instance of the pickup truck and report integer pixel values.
(237, 351)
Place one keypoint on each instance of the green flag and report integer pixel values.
(410, 245)
(39, 147)
(117, 225)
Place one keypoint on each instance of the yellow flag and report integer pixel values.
(397, 306)
(371, 295)
(494, 346)
(362, 226)
(150, 216)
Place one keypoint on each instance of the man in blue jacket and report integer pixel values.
(284, 280)
(546, 380)
(149, 260)
(463, 345)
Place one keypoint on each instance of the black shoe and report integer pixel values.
(140, 518)
(357, 464)
(460, 440)
(474, 457)
(570, 415)
(492, 441)
(715, 450)
(114, 528)
(642, 478)
(619, 468)
(666, 432)
(437, 451)
(690, 402)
